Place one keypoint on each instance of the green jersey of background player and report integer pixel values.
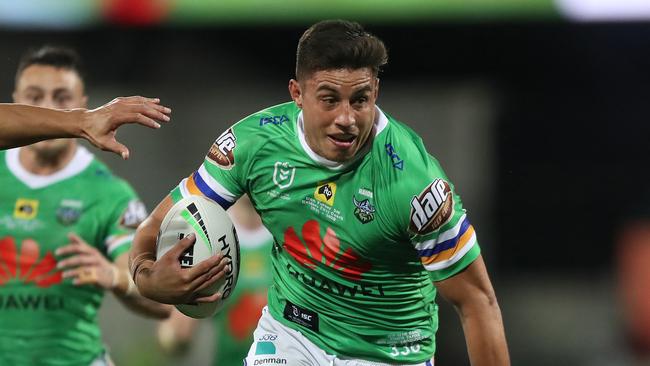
(66, 224)
(365, 221)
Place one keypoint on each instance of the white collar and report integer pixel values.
(81, 159)
(381, 121)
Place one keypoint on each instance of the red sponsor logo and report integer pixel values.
(221, 152)
(314, 250)
(25, 265)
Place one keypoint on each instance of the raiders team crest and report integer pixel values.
(364, 211)
(69, 211)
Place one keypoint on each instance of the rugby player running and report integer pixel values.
(367, 226)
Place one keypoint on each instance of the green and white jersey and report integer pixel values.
(357, 245)
(45, 319)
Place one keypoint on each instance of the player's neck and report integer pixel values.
(45, 164)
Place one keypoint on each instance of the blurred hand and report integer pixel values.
(86, 265)
(101, 124)
(166, 282)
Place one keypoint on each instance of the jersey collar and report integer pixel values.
(381, 121)
(78, 163)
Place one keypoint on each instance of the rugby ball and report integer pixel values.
(215, 233)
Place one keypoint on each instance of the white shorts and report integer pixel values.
(277, 344)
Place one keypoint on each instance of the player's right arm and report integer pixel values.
(164, 280)
(23, 124)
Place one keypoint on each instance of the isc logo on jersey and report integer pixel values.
(432, 208)
(221, 152)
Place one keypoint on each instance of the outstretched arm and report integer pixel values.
(23, 124)
(471, 293)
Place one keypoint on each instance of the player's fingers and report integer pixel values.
(176, 252)
(68, 249)
(213, 274)
(139, 118)
(82, 275)
(210, 279)
(212, 263)
(116, 147)
(211, 298)
(137, 99)
(155, 111)
(77, 260)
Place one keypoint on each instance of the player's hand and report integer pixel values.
(101, 124)
(166, 282)
(86, 265)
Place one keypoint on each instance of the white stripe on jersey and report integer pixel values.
(115, 241)
(449, 234)
(215, 186)
(446, 263)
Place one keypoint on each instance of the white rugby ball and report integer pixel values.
(215, 233)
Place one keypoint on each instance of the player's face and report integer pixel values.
(50, 87)
(338, 109)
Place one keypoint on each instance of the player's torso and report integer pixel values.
(338, 255)
(37, 306)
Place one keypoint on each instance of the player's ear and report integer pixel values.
(376, 92)
(295, 92)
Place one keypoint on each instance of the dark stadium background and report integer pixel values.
(542, 126)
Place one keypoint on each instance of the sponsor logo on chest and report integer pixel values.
(26, 209)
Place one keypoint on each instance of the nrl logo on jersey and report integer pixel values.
(433, 208)
(221, 152)
(364, 210)
(283, 174)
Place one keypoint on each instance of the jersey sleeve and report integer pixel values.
(431, 214)
(126, 212)
(223, 175)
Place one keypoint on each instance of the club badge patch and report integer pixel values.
(221, 152)
(69, 211)
(363, 211)
(433, 208)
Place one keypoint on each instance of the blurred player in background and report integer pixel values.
(66, 226)
(25, 124)
(234, 325)
(367, 226)
(633, 270)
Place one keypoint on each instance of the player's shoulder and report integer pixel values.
(399, 148)
(103, 180)
(275, 120)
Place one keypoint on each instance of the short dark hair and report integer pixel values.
(59, 57)
(336, 44)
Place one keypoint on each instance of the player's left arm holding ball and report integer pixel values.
(87, 265)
